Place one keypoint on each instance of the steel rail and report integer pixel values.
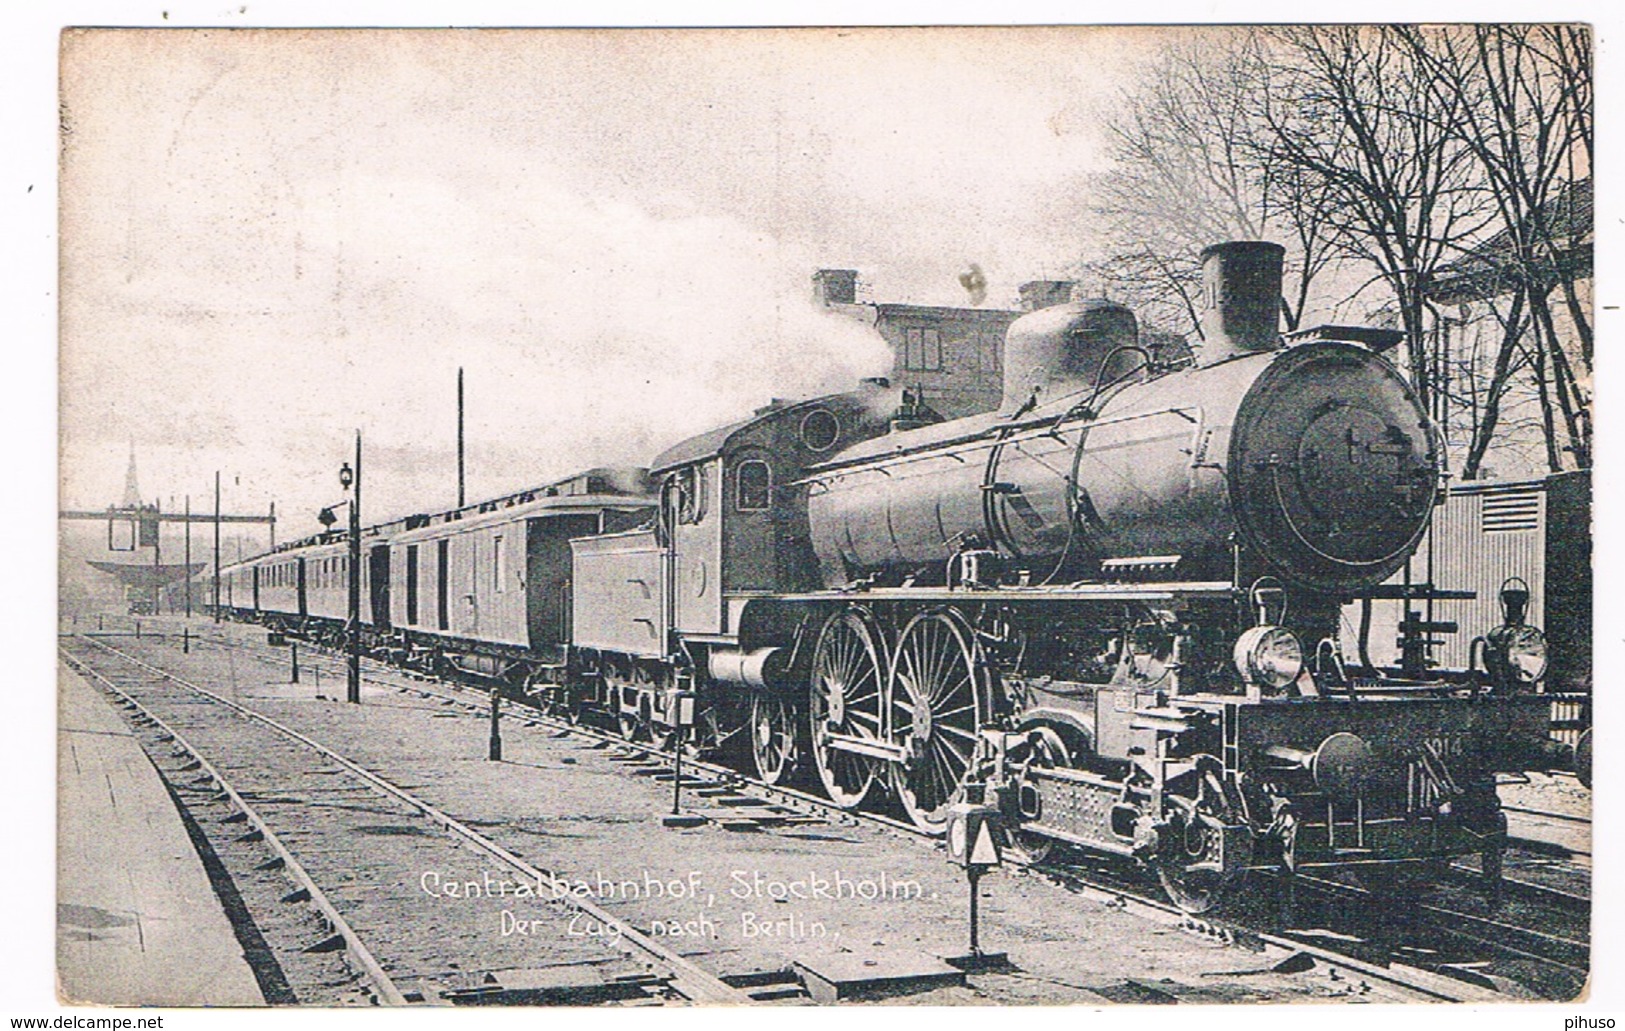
(387, 991)
(1497, 934)
(1425, 983)
(1529, 891)
(1546, 814)
(689, 979)
(1409, 978)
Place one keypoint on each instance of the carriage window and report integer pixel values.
(755, 486)
(498, 566)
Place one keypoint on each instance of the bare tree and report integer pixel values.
(1350, 110)
(1190, 170)
(1520, 96)
(1482, 392)
(1453, 154)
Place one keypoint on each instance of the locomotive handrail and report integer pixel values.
(1166, 591)
(986, 437)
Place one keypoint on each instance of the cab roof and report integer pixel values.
(714, 442)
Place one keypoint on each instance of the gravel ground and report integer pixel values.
(1550, 793)
(738, 902)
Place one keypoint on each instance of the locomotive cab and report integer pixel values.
(730, 536)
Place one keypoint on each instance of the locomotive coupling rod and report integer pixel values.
(864, 746)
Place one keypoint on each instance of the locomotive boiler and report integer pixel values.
(1317, 458)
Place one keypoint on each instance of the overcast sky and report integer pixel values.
(272, 238)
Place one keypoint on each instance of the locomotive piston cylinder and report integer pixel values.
(761, 667)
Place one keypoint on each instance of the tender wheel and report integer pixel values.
(938, 693)
(773, 743)
(651, 686)
(634, 689)
(629, 716)
(656, 685)
(1191, 846)
(844, 698)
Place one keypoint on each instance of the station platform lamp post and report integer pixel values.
(350, 480)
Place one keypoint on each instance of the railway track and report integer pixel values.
(1551, 833)
(1446, 949)
(289, 800)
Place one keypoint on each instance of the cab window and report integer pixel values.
(754, 487)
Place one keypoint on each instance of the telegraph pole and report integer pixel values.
(189, 557)
(157, 562)
(460, 495)
(217, 545)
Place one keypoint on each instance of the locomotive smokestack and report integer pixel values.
(1241, 288)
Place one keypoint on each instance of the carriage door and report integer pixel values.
(256, 574)
(378, 580)
(442, 568)
(411, 585)
(299, 572)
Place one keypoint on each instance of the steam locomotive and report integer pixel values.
(1112, 604)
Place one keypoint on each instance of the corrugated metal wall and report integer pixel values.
(1480, 537)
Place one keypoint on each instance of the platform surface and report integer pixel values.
(137, 920)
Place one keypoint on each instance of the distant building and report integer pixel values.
(1470, 296)
(954, 357)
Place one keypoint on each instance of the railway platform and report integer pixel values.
(138, 922)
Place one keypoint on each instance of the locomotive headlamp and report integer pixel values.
(1514, 600)
(1269, 656)
(1519, 652)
